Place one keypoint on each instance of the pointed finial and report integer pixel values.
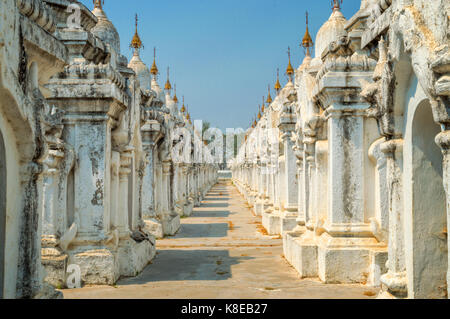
(277, 84)
(307, 42)
(336, 4)
(168, 86)
(259, 113)
(136, 42)
(263, 105)
(175, 98)
(289, 69)
(188, 117)
(269, 97)
(154, 70)
(98, 3)
(183, 108)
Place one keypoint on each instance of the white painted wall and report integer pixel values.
(425, 211)
(13, 204)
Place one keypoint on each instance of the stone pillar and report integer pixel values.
(124, 172)
(148, 205)
(443, 140)
(195, 180)
(346, 169)
(277, 185)
(269, 186)
(114, 205)
(177, 184)
(304, 251)
(320, 193)
(189, 205)
(191, 184)
(290, 175)
(170, 220)
(394, 283)
(53, 257)
(91, 139)
(151, 134)
(348, 260)
(262, 186)
(158, 189)
(299, 153)
(380, 222)
(290, 181)
(309, 169)
(50, 223)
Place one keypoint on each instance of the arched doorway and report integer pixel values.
(425, 231)
(2, 212)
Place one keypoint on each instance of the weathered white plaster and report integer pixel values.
(372, 184)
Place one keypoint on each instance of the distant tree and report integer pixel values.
(206, 126)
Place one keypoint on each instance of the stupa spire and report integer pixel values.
(136, 42)
(263, 105)
(307, 42)
(277, 84)
(175, 98)
(98, 4)
(154, 70)
(336, 4)
(183, 108)
(289, 69)
(168, 86)
(269, 97)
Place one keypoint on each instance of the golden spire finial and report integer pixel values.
(269, 97)
(168, 86)
(188, 117)
(307, 42)
(259, 115)
(98, 3)
(289, 69)
(175, 98)
(336, 4)
(154, 69)
(277, 84)
(263, 105)
(183, 108)
(136, 42)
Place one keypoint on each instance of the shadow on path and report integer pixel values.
(202, 230)
(181, 265)
(212, 213)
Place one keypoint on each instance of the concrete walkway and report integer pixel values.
(220, 252)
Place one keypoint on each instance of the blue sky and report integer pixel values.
(222, 53)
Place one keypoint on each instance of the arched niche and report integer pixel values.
(17, 153)
(425, 210)
(2, 212)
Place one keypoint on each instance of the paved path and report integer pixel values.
(220, 253)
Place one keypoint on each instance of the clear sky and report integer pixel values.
(222, 53)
